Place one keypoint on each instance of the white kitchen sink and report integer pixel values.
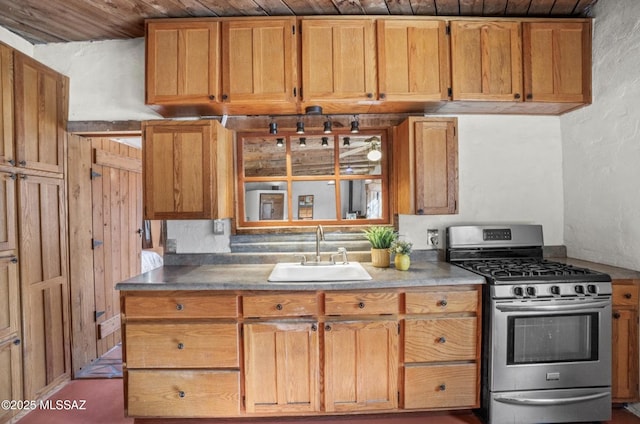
(351, 271)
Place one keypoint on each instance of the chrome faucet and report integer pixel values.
(319, 236)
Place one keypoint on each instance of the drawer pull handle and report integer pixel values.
(180, 346)
(442, 340)
(443, 302)
(179, 307)
(616, 315)
(627, 295)
(279, 306)
(181, 394)
(327, 327)
(314, 327)
(442, 387)
(361, 305)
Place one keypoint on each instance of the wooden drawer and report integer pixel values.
(625, 294)
(441, 301)
(440, 339)
(182, 345)
(183, 393)
(372, 303)
(281, 305)
(442, 386)
(181, 306)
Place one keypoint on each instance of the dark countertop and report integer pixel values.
(254, 277)
(616, 273)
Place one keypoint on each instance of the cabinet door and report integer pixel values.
(429, 184)
(7, 154)
(187, 169)
(9, 295)
(486, 60)
(557, 61)
(281, 367)
(43, 280)
(40, 115)
(624, 371)
(413, 60)
(338, 59)
(182, 62)
(361, 365)
(259, 60)
(11, 375)
(7, 211)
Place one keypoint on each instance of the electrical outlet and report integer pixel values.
(432, 238)
(218, 226)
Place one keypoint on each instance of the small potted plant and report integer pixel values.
(381, 239)
(402, 250)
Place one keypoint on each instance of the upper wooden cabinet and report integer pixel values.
(40, 101)
(338, 59)
(426, 166)
(259, 60)
(557, 61)
(187, 170)
(486, 60)
(7, 153)
(182, 59)
(413, 60)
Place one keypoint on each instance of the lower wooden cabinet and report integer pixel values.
(624, 372)
(183, 393)
(215, 354)
(11, 374)
(361, 365)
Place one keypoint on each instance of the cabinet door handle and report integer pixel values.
(442, 340)
(361, 305)
(179, 307)
(225, 97)
(627, 296)
(516, 96)
(314, 327)
(369, 95)
(212, 97)
(529, 96)
(442, 387)
(181, 394)
(443, 303)
(279, 306)
(327, 327)
(616, 315)
(12, 162)
(23, 163)
(180, 346)
(382, 95)
(17, 342)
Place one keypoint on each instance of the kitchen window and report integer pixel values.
(314, 178)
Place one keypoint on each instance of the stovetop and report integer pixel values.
(508, 270)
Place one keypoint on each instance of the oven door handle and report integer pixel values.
(517, 307)
(553, 401)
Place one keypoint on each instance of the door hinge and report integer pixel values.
(94, 174)
(294, 92)
(450, 92)
(244, 403)
(293, 29)
(398, 328)
(96, 243)
(398, 396)
(448, 29)
(98, 314)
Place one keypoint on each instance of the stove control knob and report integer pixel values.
(518, 291)
(555, 290)
(531, 291)
(579, 289)
(592, 288)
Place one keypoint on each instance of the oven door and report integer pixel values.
(550, 344)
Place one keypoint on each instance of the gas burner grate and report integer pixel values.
(523, 267)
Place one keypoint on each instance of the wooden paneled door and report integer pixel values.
(105, 216)
(44, 285)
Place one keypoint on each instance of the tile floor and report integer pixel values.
(108, 365)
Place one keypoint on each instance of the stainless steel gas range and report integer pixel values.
(546, 328)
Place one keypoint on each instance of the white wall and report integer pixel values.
(106, 78)
(510, 171)
(15, 41)
(601, 146)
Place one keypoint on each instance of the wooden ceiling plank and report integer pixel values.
(274, 7)
(541, 7)
(35, 35)
(448, 7)
(518, 7)
(399, 7)
(235, 7)
(349, 7)
(471, 7)
(585, 8)
(563, 7)
(375, 7)
(424, 7)
(313, 7)
(495, 8)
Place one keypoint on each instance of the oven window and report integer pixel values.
(553, 338)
